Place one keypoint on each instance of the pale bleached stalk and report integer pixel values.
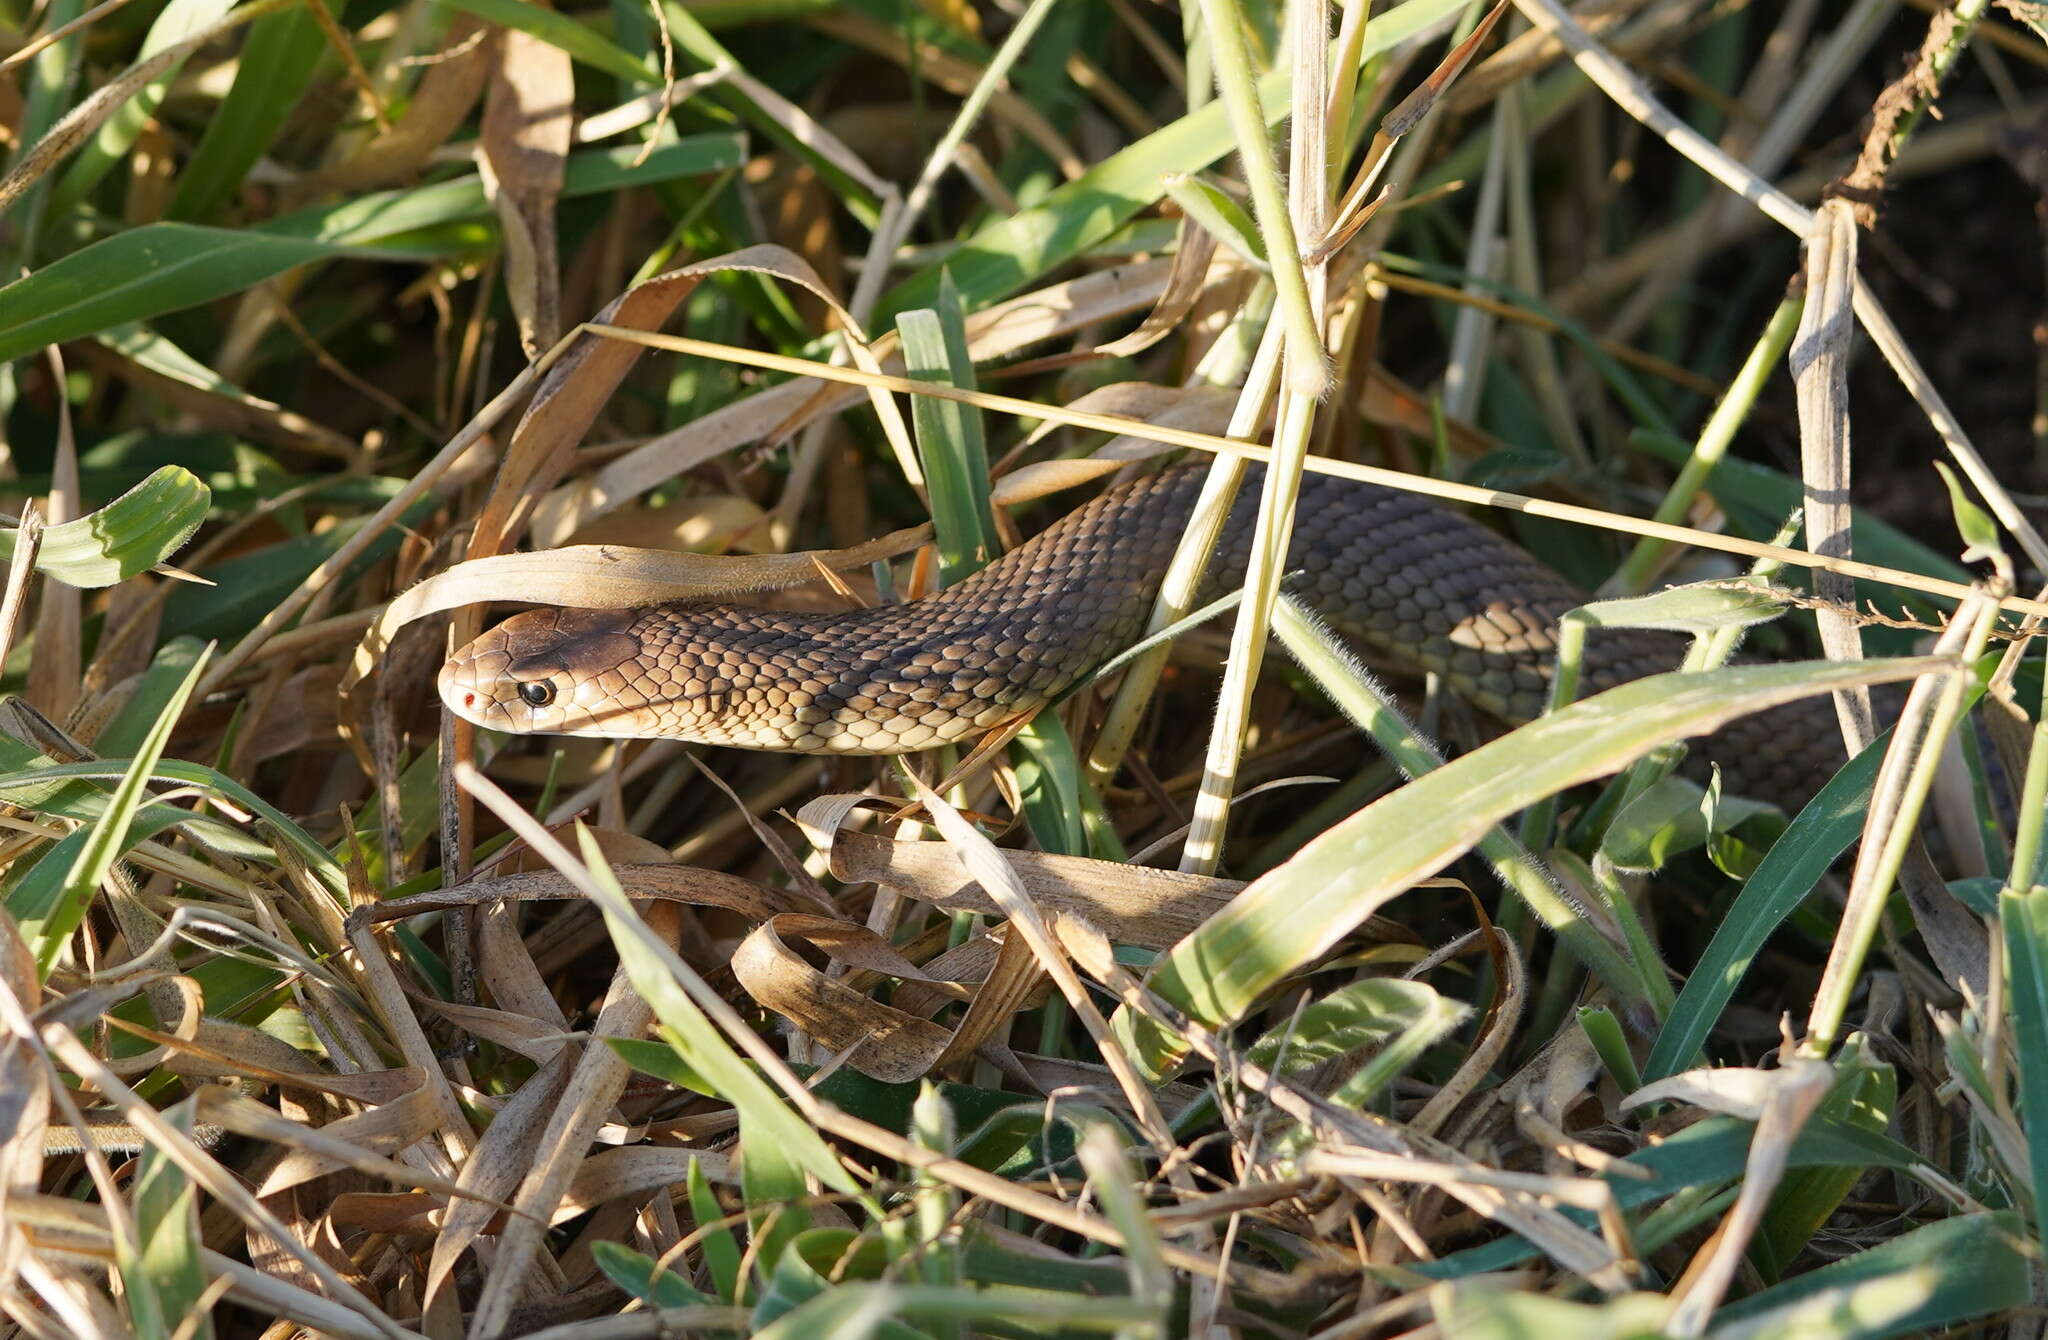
(1306, 369)
(1820, 379)
(1634, 97)
(1900, 791)
(1525, 271)
(1183, 579)
(1304, 376)
(1465, 373)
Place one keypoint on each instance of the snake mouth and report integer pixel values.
(457, 686)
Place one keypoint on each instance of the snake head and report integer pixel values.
(551, 671)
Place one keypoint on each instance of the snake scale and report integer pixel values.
(1417, 584)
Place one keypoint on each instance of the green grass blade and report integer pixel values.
(655, 973)
(1948, 1273)
(772, 1180)
(35, 779)
(581, 42)
(1822, 831)
(274, 72)
(1297, 912)
(145, 272)
(1319, 651)
(179, 20)
(131, 534)
(166, 1282)
(721, 1249)
(644, 1278)
(952, 449)
(1488, 1312)
(2025, 917)
(49, 928)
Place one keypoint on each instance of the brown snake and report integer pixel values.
(1417, 584)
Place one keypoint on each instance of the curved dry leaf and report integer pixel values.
(536, 1039)
(400, 1213)
(1134, 905)
(1028, 483)
(636, 1169)
(1185, 284)
(600, 576)
(436, 109)
(224, 1049)
(972, 960)
(505, 966)
(1735, 1091)
(355, 1142)
(1014, 979)
(882, 1042)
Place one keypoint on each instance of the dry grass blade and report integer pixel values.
(602, 576)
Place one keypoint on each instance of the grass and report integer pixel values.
(330, 321)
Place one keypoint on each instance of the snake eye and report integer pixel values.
(537, 692)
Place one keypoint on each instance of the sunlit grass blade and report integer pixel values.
(721, 1249)
(48, 925)
(1352, 688)
(1298, 911)
(581, 41)
(1945, 1274)
(32, 779)
(131, 534)
(643, 1277)
(951, 446)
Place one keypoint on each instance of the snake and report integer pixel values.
(1417, 585)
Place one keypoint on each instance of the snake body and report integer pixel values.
(1417, 584)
